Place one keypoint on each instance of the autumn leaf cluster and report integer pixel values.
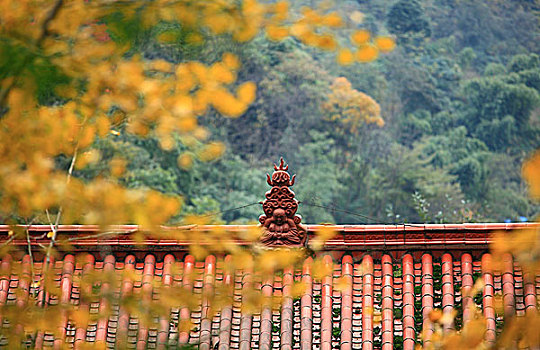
(103, 89)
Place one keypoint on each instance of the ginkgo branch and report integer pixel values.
(28, 58)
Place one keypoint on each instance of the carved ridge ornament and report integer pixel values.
(281, 226)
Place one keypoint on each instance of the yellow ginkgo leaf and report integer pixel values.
(332, 20)
(367, 53)
(246, 92)
(231, 60)
(385, 43)
(50, 234)
(531, 173)
(276, 33)
(360, 37)
(345, 57)
(185, 161)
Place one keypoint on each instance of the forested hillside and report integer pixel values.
(435, 131)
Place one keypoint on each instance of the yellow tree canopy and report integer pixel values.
(350, 107)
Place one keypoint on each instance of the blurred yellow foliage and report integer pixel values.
(126, 94)
(367, 53)
(531, 174)
(361, 37)
(345, 57)
(385, 44)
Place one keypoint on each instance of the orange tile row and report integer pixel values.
(368, 301)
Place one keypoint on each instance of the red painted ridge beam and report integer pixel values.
(435, 233)
(127, 243)
(62, 229)
(387, 303)
(409, 333)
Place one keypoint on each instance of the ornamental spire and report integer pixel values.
(281, 225)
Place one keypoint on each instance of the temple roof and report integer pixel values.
(396, 275)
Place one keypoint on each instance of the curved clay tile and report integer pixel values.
(387, 304)
(126, 290)
(367, 303)
(466, 286)
(287, 310)
(311, 321)
(529, 293)
(346, 302)
(489, 310)
(326, 305)
(103, 322)
(185, 315)
(508, 286)
(147, 279)
(208, 290)
(246, 320)
(80, 332)
(447, 276)
(427, 298)
(265, 339)
(167, 281)
(409, 333)
(306, 307)
(226, 313)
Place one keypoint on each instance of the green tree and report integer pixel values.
(407, 18)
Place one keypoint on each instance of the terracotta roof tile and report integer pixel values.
(387, 303)
(447, 288)
(488, 294)
(387, 298)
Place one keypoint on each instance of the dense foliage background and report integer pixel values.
(459, 97)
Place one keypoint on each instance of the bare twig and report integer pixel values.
(29, 245)
(54, 227)
(7, 242)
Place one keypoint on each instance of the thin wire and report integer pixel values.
(356, 214)
(340, 210)
(334, 209)
(229, 210)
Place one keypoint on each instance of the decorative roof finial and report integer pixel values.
(281, 226)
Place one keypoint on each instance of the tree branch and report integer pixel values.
(39, 41)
